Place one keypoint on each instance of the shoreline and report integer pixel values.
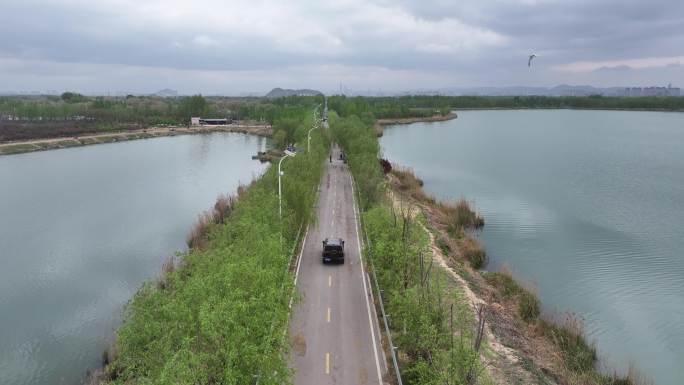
(527, 343)
(44, 144)
(381, 123)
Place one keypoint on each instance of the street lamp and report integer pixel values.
(280, 190)
(308, 142)
(315, 125)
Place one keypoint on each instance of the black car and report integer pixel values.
(333, 250)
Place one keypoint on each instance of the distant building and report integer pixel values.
(654, 91)
(197, 121)
(650, 91)
(673, 91)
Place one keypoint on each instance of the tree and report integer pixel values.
(191, 106)
(289, 127)
(73, 97)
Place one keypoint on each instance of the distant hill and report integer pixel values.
(166, 93)
(280, 92)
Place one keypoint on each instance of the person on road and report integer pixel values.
(330, 158)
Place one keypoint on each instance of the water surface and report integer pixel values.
(587, 205)
(82, 228)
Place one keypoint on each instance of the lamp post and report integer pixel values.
(315, 125)
(308, 142)
(280, 189)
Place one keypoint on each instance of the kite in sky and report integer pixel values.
(529, 61)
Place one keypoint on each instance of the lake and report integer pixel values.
(586, 205)
(82, 228)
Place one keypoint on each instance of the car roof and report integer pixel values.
(334, 241)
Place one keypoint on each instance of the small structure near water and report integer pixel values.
(197, 121)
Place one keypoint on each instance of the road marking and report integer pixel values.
(328, 314)
(365, 288)
(327, 363)
(299, 263)
(329, 280)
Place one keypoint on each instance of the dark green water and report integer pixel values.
(588, 205)
(82, 228)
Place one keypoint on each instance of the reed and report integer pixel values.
(473, 252)
(460, 216)
(198, 236)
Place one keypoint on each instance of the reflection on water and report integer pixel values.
(81, 228)
(589, 205)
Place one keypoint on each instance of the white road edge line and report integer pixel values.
(299, 262)
(365, 288)
(377, 324)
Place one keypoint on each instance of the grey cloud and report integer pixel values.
(560, 32)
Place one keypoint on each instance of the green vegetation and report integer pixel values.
(219, 314)
(73, 114)
(458, 218)
(431, 323)
(423, 105)
(23, 118)
(357, 139)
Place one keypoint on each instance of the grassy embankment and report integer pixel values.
(548, 349)
(218, 313)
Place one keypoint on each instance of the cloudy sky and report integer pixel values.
(235, 46)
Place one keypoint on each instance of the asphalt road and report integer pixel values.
(334, 327)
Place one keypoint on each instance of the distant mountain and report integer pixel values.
(280, 92)
(166, 93)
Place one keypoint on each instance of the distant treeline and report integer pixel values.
(29, 117)
(424, 105)
(151, 110)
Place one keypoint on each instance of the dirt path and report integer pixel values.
(502, 363)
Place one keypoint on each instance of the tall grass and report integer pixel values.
(473, 252)
(528, 305)
(460, 216)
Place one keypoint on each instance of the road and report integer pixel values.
(334, 327)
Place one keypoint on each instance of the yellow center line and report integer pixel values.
(327, 363)
(328, 314)
(329, 280)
